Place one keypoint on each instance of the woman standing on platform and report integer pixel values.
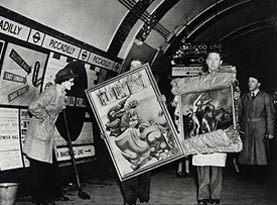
(39, 143)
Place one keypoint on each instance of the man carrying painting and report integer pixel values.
(207, 144)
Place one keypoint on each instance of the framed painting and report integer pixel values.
(135, 123)
(206, 112)
(209, 121)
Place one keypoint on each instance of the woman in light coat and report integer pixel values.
(39, 143)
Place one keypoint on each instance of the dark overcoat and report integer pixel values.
(257, 120)
(39, 141)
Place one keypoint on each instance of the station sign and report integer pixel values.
(13, 29)
(60, 46)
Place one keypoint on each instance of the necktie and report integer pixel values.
(253, 95)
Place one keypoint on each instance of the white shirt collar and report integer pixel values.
(255, 92)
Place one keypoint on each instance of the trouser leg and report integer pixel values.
(235, 164)
(203, 174)
(130, 189)
(36, 178)
(187, 166)
(54, 174)
(216, 182)
(180, 167)
(144, 186)
(40, 180)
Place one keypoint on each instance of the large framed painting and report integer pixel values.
(135, 123)
(209, 121)
(207, 111)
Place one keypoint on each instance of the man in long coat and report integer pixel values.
(257, 123)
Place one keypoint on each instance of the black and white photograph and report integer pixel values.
(137, 102)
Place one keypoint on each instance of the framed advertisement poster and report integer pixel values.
(134, 120)
(22, 75)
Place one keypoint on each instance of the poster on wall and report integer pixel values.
(29, 60)
(24, 122)
(21, 75)
(10, 152)
(82, 147)
(138, 130)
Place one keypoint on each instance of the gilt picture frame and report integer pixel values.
(135, 122)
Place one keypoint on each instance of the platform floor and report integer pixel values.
(166, 188)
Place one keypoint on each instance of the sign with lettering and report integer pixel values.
(179, 71)
(17, 93)
(197, 48)
(79, 152)
(13, 77)
(101, 61)
(20, 61)
(14, 29)
(22, 73)
(10, 153)
(60, 46)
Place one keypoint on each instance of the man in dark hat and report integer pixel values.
(257, 124)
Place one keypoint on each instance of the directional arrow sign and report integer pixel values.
(12, 96)
(19, 60)
(13, 77)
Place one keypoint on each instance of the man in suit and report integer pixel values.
(210, 166)
(257, 123)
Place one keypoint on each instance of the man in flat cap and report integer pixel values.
(257, 124)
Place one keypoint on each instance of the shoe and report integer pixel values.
(203, 202)
(179, 174)
(143, 200)
(188, 174)
(83, 195)
(215, 201)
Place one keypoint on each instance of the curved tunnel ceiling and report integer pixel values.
(233, 18)
(114, 25)
(248, 26)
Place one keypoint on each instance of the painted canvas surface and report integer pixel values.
(135, 122)
(206, 112)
